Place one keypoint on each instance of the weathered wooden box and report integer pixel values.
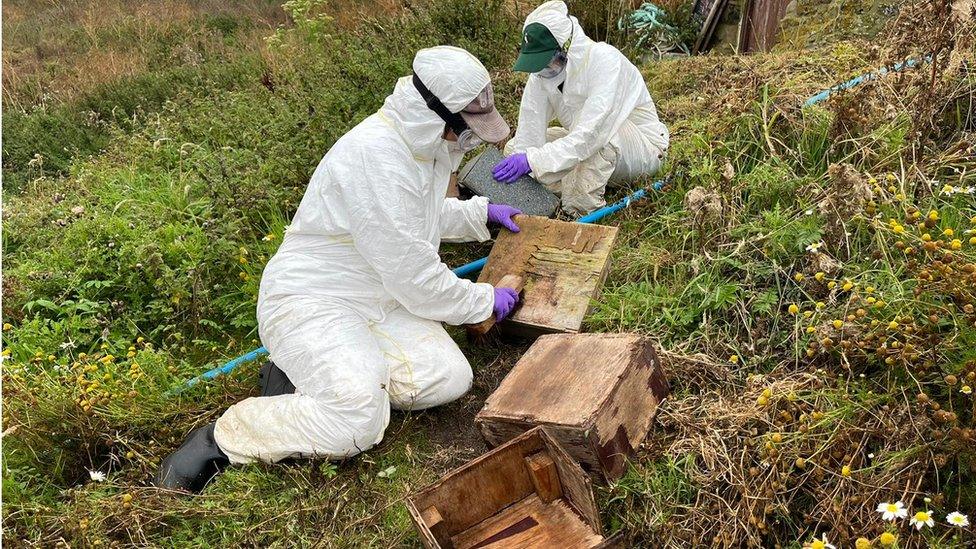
(595, 393)
(563, 266)
(528, 493)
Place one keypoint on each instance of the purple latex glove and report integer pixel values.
(505, 300)
(511, 168)
(503, 214)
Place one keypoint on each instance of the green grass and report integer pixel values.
(147, 236)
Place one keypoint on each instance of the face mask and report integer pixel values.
(468, 141)
(555, 67)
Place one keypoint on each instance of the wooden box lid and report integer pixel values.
(527, 492)
(563, 266)
(563, 379)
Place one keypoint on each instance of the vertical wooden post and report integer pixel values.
(435, 523)
(545, 478)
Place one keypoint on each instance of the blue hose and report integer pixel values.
(897, 67)
(463, 270)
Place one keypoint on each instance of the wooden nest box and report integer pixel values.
(595, 393)
(562, 266)
(527, 493)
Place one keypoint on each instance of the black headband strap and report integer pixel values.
(452, 119)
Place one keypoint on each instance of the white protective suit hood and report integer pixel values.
(598, 97)
(453, 75)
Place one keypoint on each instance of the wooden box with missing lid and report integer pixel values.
(527, 493)
(563, 266)
(597, 394)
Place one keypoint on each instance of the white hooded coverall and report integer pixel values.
(351, 305)
(610, 128)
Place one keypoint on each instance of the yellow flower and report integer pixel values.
(862, 543)
(831, 285)
(798, 277)
(847, 286)
(934, 215)
(140, 339)
(898, 229)
(890, 177)
(7, 326)
(880, 303)
(820, 275)
(845, 470)
(973, 241)
(6, 352)
(734, 359)
(956, 244)
(870, 300)
(892, 325)
(811, 329)
(869, 289)
(793, 309)
(926, 237)
(762, 400)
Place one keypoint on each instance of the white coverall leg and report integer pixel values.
(347, 372)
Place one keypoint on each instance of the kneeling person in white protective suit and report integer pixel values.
(350, 307)
(610, 128)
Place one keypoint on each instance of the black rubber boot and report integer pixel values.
(274, 382)
(194, 463)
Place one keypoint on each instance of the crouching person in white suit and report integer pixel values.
(609, 126)
(350, 307)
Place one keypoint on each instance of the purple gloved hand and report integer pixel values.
(511, 168)
(505, 300)
(503, 214)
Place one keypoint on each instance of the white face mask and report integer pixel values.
(555, 67)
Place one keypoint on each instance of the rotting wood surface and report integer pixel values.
(563, 266)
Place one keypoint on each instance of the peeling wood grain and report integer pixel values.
(563, 265)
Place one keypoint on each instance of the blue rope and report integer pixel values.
(897, 67)
(463, 270)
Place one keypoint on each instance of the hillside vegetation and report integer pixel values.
(809, 273)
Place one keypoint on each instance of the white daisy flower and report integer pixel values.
(821, 543)
(922, 519)
(956, 518)
(815, 247)
(891, 511)
(96, 476)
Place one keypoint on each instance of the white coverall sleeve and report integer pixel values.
(597, 123)
(534, 116)
(388, 230)
(465, 220)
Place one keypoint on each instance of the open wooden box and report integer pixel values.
(562, 265)
(527, 493)
(597, 394)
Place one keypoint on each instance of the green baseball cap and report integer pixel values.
(538, 47)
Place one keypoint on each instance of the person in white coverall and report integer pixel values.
(350, 307)
(609, 127)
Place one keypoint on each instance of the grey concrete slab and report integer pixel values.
(526, 193)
